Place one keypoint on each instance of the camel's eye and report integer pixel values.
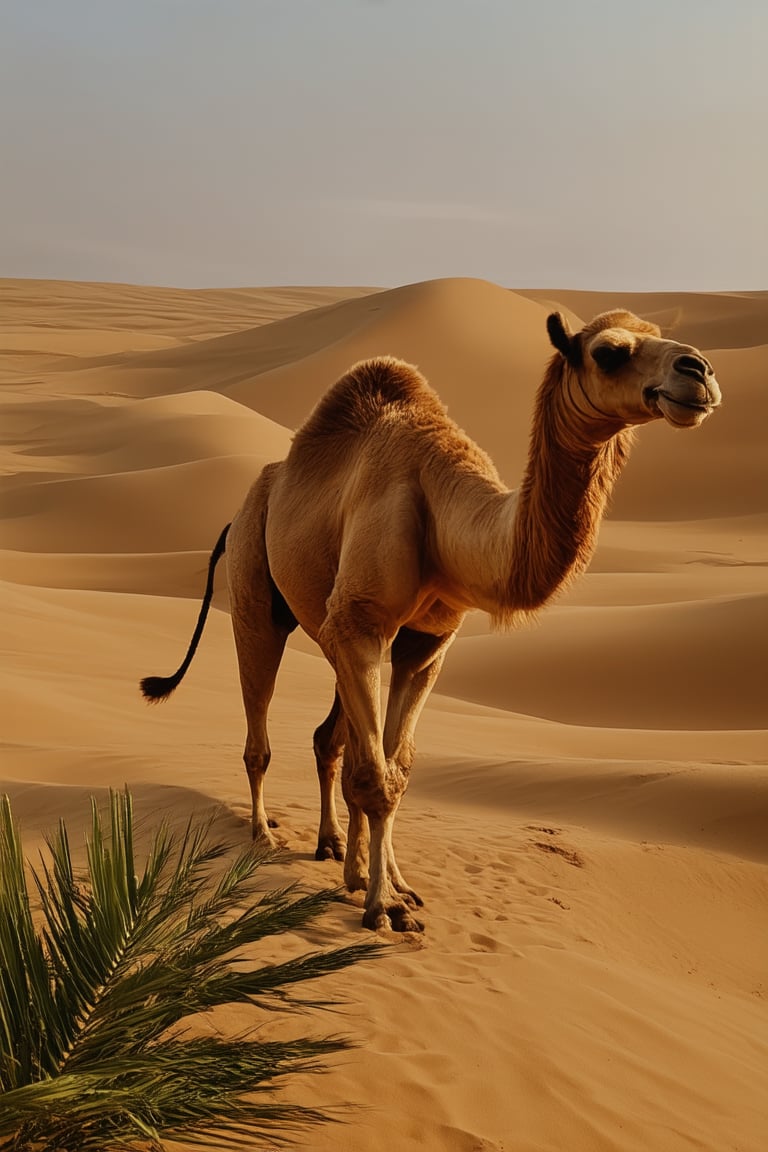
(609, 357)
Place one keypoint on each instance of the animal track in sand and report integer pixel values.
(568, 854)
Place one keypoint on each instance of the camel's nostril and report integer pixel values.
(692, 366)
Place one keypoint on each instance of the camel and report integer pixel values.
(386, 524)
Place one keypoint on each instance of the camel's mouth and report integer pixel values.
(686, 413)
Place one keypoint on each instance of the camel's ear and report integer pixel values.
(567, 344)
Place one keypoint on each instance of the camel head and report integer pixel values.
(621, 370)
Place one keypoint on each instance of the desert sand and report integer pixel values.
(588, 814)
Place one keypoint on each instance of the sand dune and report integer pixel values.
(149, 573)
(94, 439)
(182, 506)
(656, 666)
(280, 369)
(36, 307)
(488, 370)
(588, 813)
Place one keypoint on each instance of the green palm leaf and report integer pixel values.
(93, 1053)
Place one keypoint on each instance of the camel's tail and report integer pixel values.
(157, 688)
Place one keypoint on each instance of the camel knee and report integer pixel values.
(256, 763)
(374, 789)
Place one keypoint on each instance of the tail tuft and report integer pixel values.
(157, 688)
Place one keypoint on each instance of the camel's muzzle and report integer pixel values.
(689, 393)
(681, 409)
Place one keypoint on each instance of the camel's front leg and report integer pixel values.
(417, 658)
(372, 784)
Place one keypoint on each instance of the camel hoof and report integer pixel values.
(331, 849)
(394, 918)
(411, 898)
(263, 839)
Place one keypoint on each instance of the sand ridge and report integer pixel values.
(587, 818)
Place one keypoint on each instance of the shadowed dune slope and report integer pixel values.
(647, 666)
(94, 438)
(178, 508)
(588, 807)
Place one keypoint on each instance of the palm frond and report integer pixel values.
(92, 1001)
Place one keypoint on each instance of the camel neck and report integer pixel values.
(573, 465)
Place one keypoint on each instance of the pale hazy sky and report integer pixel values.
(593, 143)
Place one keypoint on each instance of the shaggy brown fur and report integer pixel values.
(386, 524)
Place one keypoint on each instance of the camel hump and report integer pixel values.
(363, 393)
(384, 377)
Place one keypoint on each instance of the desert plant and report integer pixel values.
(98, 985)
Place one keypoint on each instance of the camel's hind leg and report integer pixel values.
(259, 651)
(262, 622)
(328, 744)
